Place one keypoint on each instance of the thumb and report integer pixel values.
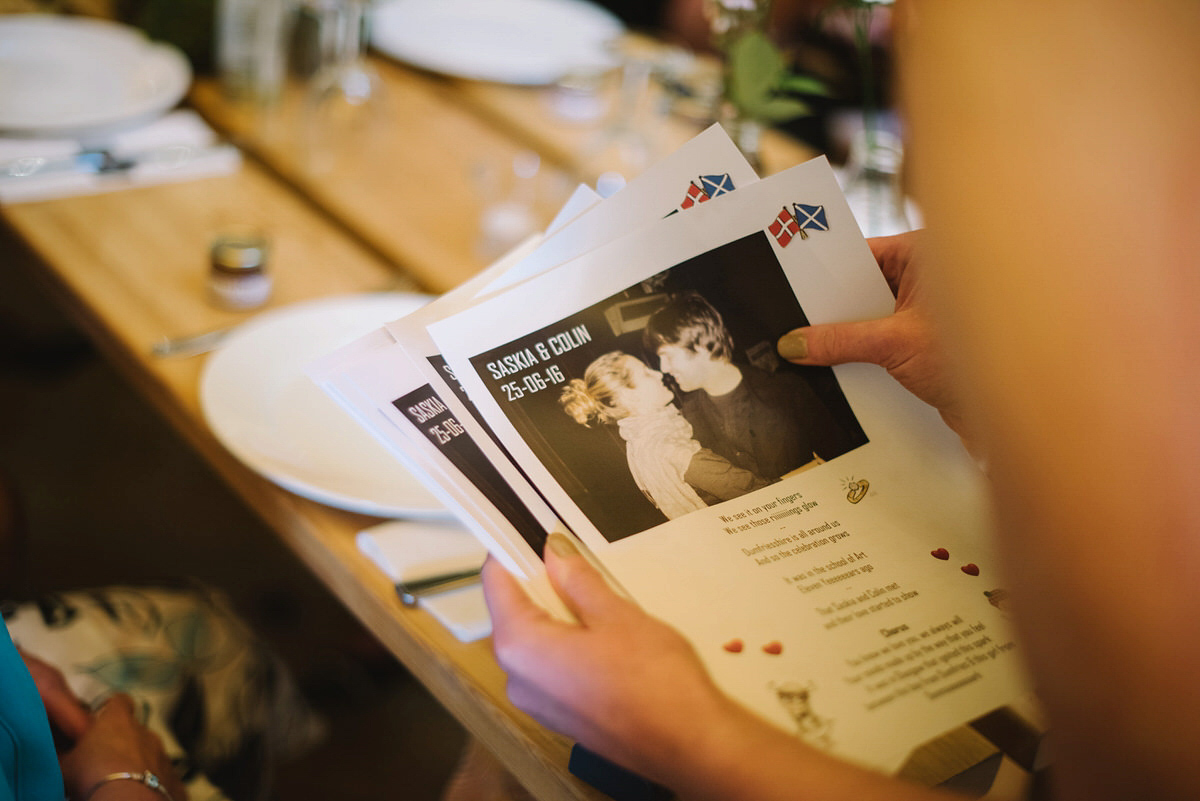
(585, 592)
(507, 601)
(874, 341)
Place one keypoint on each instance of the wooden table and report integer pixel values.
(131, 266)
(410, 188)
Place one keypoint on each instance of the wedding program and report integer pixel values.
(818, 534)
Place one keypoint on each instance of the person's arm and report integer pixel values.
(630, 688)
(1055, 146)
(716, 476)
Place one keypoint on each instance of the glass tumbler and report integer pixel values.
(344, 103)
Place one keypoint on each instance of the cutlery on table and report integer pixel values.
(108, 161)
(411, 591)
(190, 345)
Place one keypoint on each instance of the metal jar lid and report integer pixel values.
(240, 253)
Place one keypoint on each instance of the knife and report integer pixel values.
(411, 591)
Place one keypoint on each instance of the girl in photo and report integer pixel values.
(667, 463)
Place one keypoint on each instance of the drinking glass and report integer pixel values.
(630, 141)
(871, 182)
(344, 104)
(510, 212)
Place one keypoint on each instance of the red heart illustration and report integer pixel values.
(971, 569)
(940, 553)
(775, 647)
(734, 646)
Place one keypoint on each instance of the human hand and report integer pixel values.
(621, 683)
(66, 712)
(903, 343)
(116, 742)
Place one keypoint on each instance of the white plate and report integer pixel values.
(74, 76)
(274, 418)
(528, 42)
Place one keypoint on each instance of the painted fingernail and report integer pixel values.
(734, 646)
(940, 553)
(793, 345)
(561, 544)
(971, 569)
(775, 648)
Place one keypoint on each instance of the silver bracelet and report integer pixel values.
(145, 777)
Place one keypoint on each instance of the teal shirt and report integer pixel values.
(28, 764)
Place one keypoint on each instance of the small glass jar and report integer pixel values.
(238, 277)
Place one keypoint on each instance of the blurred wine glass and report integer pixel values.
(344, 104)
(509, 212)
(871, 181)
(630, 141)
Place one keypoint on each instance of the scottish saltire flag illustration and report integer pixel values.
(784, 227)
(810, 218)
(695, 194)
(714, 185)
(710, 186)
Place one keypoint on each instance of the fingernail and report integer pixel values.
(561, 544)
(793, 346)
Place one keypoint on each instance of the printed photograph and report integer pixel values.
(670, 397)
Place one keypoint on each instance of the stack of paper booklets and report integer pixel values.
(854, 603)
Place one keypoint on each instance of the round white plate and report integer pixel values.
(527, 42)
(274, 418)
(75, 76)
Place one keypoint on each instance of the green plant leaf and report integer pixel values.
(757, 73)
(755, 68)
(805, 85)
(778, 109)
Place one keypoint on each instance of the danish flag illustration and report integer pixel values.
(695, 195)
(784, 227)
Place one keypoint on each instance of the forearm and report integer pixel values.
(712, 474)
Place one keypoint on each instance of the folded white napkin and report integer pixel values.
(177, 147)
(407, 550)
